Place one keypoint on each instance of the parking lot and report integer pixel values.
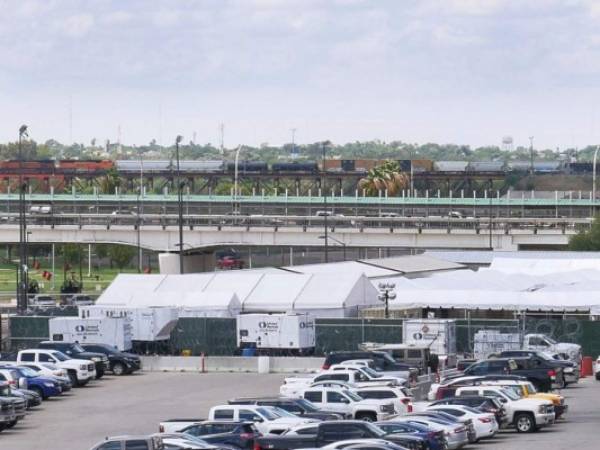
(137, 403)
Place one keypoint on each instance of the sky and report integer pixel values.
(445, 71)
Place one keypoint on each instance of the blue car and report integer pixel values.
(44, 386)
(435, 439)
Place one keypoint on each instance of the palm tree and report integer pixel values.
(388, 177)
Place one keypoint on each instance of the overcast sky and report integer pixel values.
(460, 71)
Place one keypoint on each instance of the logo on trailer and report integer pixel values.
(417, 336)
(80, 328)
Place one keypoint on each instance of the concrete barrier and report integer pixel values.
(261, 364)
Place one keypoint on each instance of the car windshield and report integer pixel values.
(547, 356)
(27, 372)
(371, 372)
(282, 412)
(552, 341)
(60, 356)
(514, 388)
(307, 405)
(375, 430)
(78, 348)
(268, 413)
(353, 396)
(388, 358)
(531, 388)
(471, 410)
(510, 394)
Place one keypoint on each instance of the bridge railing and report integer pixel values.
(274, 222)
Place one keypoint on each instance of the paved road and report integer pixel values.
(136, 404)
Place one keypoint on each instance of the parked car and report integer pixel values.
(75, 350)
(397, 395)
(51, 370)
(80, 371)
(352, 405)
(526, 415)
(485, 424)
(543, 374)
(324, 433)
(486, 404)
(32, 398)
(435, 439)
(597, 368)
(363, 444)
(19, 403)
(120, 363)
(80, 300)
(297, 406)
(45, 386)
(267, 419)
(570, 368)
(42, 301)
(383, 363)
(7, 413)
(455, 434)
(465, 423)
(130, 442)
(238, 434)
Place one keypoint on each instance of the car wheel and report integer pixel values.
(39, 391)
(73, 378)
(11, 424)
(367, 417)
(118, 369)
(562, 384)
(524, 423)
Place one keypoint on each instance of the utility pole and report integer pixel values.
(324, 193)
(222, 137)
(178, 140)
(23, 284)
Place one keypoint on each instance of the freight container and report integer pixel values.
(333, 165)
(486, 166)
(147, 323)
(422, 165)
(438, 334)
(115, 332)
(451, 166)
(276, 331)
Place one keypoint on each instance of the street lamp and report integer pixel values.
(386, 293)
(178, 140)
(594, 181)
(342, 243)
(22, 274)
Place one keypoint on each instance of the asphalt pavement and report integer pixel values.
(136, 404)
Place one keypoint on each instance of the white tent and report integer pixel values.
(210, 304)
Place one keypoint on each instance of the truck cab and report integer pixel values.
(545, 343)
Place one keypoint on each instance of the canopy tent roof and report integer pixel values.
(411, 264)
(493, 289)
(369, 270)
(334, 294)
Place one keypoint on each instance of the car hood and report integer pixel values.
(41, 379)
(531, 402)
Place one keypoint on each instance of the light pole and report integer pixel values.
(386, 293)
(178, 140)
(490, 195)
(22, 273)
(235, 178)
(594, 182)
(531, 153)
(325, 212)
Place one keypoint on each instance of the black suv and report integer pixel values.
(296, 406)
(240, 435)
(75, 350)
(543, 374)
(121, 363)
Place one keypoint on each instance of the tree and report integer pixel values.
(121, 255)
(387, 177)
(586, 241)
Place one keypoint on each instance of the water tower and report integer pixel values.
(507, 143)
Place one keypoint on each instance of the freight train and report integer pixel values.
(332, 166)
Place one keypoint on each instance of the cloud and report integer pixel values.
(76, 25)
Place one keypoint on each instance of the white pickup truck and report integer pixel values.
(355, 376)
(267, 419)
(352, 405)
(525, 414)
(79, 371)
(545, 343)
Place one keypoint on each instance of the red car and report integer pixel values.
(230, 262)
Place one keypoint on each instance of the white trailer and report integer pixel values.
(115, 332)
(276, 331)
(438, 334)
(147, 323)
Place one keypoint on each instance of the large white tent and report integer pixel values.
(224, 294)
(566, 290)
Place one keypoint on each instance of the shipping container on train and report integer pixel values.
(190, 166)
(450, 166)
(547, 166)
(75, 165)
(311, 167)
(486, 166)
(248, 166)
